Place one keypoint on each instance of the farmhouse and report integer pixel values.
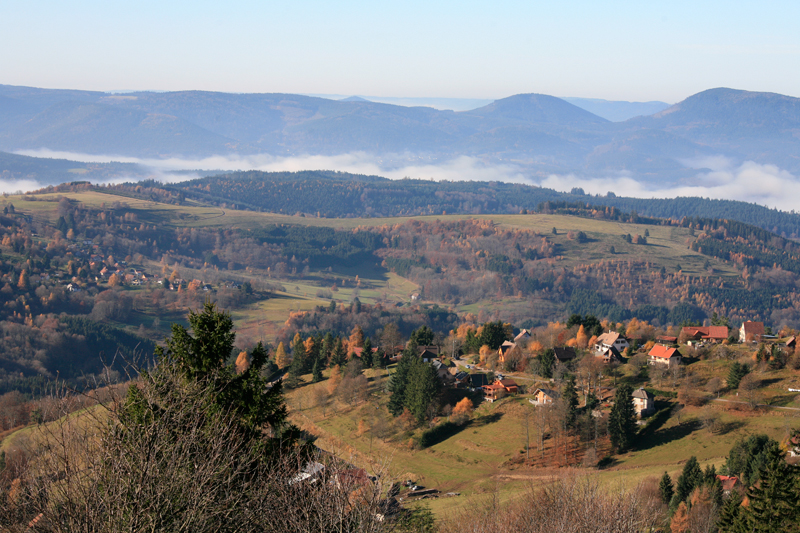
(644, 403)
(608, 354)
(506, 347)
(564, 354)
(545, 396)
(499, 389)
(523, 336)
(751, 331)
(612, 339)
(664, 355)
(707, 333)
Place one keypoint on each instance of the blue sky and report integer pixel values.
(616, 50)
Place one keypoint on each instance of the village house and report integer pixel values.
(711, 334)
(506, 347)
(499, 389)
(664, 355)
(564, 354)
(644, 403)
(523, 336)
(612, 339)
(478, 380)
(607, 354)
(545, 396)
(751, 331)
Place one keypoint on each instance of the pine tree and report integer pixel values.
(298, 353)
(327, 349)
(622, 420)
(316, 372)
(547, 360)
(421, 389)
(202, 356)
(690, 478)
(338, 356)
(736, 373)
(730, 515)
(398, 383)
(666, 489)
(570, 398)
(774, 499)
(366, 354)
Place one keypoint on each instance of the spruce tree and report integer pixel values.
(570, 398)
(690, 479)
(422, 388)
(622, 420)
(666, 489)
(397, 384)
(774, 499)
(316, 372)
(338, 356)
(547, 360)
(366, 354)
(730, 514)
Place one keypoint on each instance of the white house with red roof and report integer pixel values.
(664, 355)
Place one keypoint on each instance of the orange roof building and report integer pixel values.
(664, 355)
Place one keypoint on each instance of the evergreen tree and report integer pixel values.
(202, 357)
(736, 373)
(622, 420)
(730, 514)
(570, 398)
(690, 479)
(366, 354)
(422, 336)
(327, 349)
(774, 500)
(471, 342)
(379, 359)
(493, 334)
(666, 489)
(547, 361)
(316, 372)
(338, 355)
(397, 384)
(421, 389)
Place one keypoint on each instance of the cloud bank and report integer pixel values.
(717, 177)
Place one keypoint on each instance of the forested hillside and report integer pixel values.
(338, 194)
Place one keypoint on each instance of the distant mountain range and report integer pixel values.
(540, 134)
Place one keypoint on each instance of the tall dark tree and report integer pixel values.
(775, 499)
(202, 357)
(666, 489)
(622, 420)
(547, 360)
(422, 389)
(398, 383)
(338, 355)
(736, 373)
(690, 479)
(493, 334)
(366, 354)
(569, 395)
(422, 336)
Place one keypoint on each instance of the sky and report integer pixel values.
(615, 50)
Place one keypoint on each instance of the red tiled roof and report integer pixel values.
(728, 482)
(753, 328)
(663, 352)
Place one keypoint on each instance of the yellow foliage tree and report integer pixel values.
(464, 408)
(281, 358)
(113, 280)
(356, 338)
(335, 379)
(242, 362)
(581, 339)
(485, 352)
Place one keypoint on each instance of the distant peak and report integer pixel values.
(354, 99)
